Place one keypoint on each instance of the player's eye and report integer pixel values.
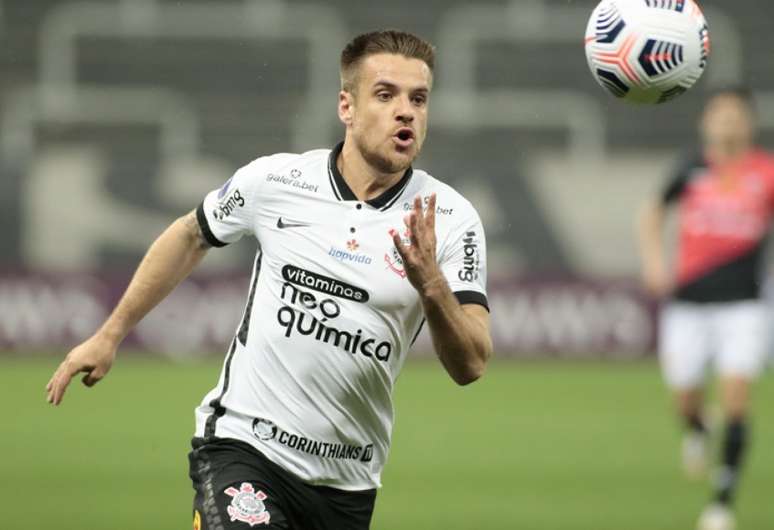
(419, 100)
(383, 96)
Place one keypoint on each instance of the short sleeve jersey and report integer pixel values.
(724, 221)
(330, 314)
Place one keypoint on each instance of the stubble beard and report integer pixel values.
(381, 163)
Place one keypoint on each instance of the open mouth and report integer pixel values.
(404, 137)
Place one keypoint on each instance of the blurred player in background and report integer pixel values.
(357, 250)
(715, 315)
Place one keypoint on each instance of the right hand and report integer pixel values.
(94, 357)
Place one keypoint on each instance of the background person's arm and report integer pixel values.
(650, 234)
(168, 261)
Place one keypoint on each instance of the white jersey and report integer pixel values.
(330, 314)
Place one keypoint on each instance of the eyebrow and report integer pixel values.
(393, 86)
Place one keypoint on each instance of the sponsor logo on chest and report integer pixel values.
(350, 254)
(292, 180)
(306, 314)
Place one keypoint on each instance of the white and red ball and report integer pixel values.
(647, 51)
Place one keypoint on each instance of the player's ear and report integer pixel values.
(346, 107)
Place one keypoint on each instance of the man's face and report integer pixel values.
(386, 114)
(727, 119)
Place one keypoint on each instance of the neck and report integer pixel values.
(365, 181)
(727, 152)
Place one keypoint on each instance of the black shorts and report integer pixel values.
(237, 487)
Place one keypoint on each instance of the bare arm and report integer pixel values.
(168, 261)
(460, 333)
(650, 230)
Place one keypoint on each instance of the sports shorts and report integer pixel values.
(732, 337)
(238, 488)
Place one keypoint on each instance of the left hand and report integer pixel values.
(419, 259)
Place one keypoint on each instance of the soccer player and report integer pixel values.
(715, 314)
(356, 250)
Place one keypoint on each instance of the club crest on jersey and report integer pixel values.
(392, 259)
(264, 429)
(247, 505)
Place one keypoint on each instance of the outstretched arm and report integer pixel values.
(168, 261)
(460, 333)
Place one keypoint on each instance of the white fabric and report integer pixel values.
(311, 388)
(732, 337)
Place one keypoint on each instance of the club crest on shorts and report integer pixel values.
(247, 505)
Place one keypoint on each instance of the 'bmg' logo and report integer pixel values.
(471, 258)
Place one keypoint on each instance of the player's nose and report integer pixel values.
(404, 111)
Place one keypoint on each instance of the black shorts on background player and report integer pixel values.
(238, 488)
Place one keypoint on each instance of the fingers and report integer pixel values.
(430, 215)
(418, 206)
(56, 387)
(399, 245)
(420, 223)
(425, 218)
(93, 377)
(412, 222)
(59, 382)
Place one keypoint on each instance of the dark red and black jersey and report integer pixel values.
(724, 220)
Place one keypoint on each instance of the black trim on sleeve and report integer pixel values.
(205, 226)
(472, 297)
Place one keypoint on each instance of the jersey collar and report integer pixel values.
(343, 192)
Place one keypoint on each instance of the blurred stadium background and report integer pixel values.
(116, 116)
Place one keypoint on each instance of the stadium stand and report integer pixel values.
(146, 104)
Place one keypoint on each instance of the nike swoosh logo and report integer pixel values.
(281, 224)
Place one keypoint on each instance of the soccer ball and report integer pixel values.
(647, 51)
